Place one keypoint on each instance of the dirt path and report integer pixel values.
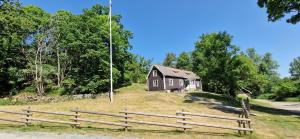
(290, 106)
(42, 135)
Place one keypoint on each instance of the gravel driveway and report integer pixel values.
(290, 106)
(41, 135)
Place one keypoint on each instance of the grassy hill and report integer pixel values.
(271, 123)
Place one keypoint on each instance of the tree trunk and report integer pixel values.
(36, 71)
(58, 67)
(41, 82)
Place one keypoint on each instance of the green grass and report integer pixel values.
(292, 99)
(271, 123)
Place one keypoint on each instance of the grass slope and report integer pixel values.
(271, 123)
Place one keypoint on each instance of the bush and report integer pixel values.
(267, 96)
(285, 88)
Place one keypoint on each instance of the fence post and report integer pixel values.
(126, 118)
(239, 122)
(27, 115)
(75, 118)
(184, 129)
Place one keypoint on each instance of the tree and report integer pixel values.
(138, 69)
(64, 51)
(251, 53)
(243, 74)
(15, 28)
(277, 9)
(170, 60)
(268, 66)
(295, 68)
(184, 61)
(211, 58)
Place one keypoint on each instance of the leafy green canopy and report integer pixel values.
(222, 67)
(295, 68)
(170, 60)
(277, 9)
(184, 61)
(65, 51)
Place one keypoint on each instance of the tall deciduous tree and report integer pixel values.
(184, 61)
(212, 55)
(170, 60)
(295, 68)
(277, 9)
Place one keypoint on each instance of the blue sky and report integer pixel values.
(162, 26)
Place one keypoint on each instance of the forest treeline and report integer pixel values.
(42, 52)
(225, 69)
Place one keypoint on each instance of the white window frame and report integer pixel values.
(171, 82)
(154, 73)
(155, 83)
(181, 82)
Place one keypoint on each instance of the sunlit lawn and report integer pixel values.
(270, 123)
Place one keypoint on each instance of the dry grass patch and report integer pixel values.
(135, 98)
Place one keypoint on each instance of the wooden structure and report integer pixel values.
(161, 78)
(30, 113)
(156, 123)
(15, 120)
(127, 119)
(125, 125)
(243, 119)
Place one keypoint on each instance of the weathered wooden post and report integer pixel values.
(184, 129)
(27, 116)
(126, 120)
(75, 118)
(239, 122)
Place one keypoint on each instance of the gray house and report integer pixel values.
(161, 78)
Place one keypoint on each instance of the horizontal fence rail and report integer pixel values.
(216, 126)
(159, 124)
(101, 122)
(13, 120)
(52, 121)
(12, 112)
(101, 113)
(156, 115)
(51, 113)
(214, 116)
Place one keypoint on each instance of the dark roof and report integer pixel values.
(168, 71)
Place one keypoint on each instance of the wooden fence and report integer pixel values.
(124, 125)
(238, 120)
(31, 112)
(155, 123)
(127, 119)
(15, 120)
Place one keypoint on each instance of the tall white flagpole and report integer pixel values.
(110, 50)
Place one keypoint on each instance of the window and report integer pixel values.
(181, 82)
(170, 82)
(192, 82)
(155, 83)
(198, 83)
(154, 73)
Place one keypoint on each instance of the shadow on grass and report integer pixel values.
(115, 131)
(224, 104)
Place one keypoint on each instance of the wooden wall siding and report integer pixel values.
(160, 79)
(199, 86)
(176, 84)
